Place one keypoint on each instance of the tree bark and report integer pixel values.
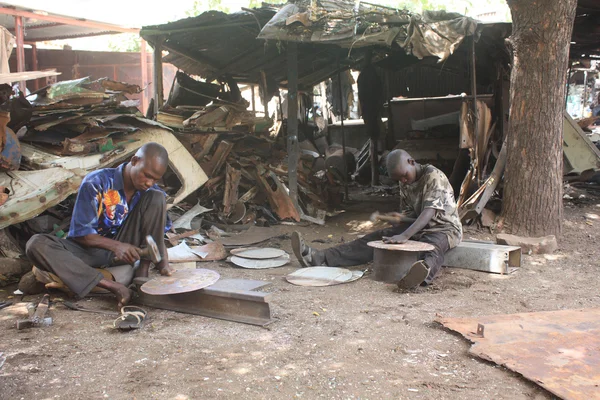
(533, 188)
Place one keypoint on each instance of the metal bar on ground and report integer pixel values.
(292, 123)
(229, 299)
(343, 134)
(484, 256)
(144, 67)
(158, 75)
(20, 35)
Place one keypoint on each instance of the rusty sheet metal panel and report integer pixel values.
(558, 350)
(33, 192)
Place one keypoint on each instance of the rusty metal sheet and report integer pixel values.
(184, 281)
(558, 350)
(33, 192)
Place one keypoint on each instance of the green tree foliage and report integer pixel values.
(201, 6)
(125, 42)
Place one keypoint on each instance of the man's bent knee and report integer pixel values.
(155, 198)
(36, 245)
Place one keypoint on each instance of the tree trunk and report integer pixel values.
(533, 189)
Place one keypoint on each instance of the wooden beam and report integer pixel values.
(82, 22)
(26, 76)
(158, 76)
(20, 34)
(292, 122)
(144, 67)
(35, 66)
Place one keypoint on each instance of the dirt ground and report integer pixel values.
(363, 340)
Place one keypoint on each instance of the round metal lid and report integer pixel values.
(261, 264)
(411, 245)
(181, 281)
(320, 276)
(260, 253)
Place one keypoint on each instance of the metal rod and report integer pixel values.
(158, 76)
(20, 34)
(34, 62)
(584, 102)
(474, 94)
(343, 134)
(144, 67)
(253, 98)
(67, 20)
(292, 122)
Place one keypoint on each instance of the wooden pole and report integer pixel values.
(474, 94)
(343, 134)
(34, 62)
(292, 122)
(144, 67)
(158, 75)
(20, 34)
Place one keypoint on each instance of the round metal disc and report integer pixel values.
(261, 264)
(319, 276)
(411, 245)
(261, 253)
(181, 281)
(239, 250)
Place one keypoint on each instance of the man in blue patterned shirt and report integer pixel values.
(115, 209)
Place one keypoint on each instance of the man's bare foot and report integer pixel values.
(143, 270)
(122, 294)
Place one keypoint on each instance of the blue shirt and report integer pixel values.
(101, 206)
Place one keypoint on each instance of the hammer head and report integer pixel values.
(374, 217)
(151, 251)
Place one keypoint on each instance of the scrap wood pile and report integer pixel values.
(197, 106)
(82, 116)
(248, 181)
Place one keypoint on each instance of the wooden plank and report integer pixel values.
(232, 182)
(26, 76)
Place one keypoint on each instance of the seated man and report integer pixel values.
(115, 209)
(428, 215)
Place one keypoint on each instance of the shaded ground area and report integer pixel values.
(362, 340)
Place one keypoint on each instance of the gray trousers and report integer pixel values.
(76, 265)
(358, 252)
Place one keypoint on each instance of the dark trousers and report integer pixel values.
(358, 252)
(76, 265)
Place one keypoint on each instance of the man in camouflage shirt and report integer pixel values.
(429, 215)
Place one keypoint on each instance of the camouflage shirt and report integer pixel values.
(432, 190)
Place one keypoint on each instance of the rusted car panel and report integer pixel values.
(184, 165)
(33, 192)
(558, 350)
(57, 177)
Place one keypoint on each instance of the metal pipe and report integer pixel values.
(474, 94)
(584, 102)
(158, 76)
(292, 122)
(253, 98)
(144, 67)
(343, 133)
(34, 62)
(20, 34)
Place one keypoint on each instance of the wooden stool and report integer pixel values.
(392, 262)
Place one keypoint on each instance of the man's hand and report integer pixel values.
(126, 252)
(396, 239)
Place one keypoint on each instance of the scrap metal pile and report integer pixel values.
(83, 116)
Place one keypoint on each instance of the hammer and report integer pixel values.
(150, 252)
(375, 217)
(39, 317)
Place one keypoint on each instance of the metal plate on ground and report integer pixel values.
(261, 264)
(319, 276)
(356, 275)
(181, 282)
(261, 253)
(558, 350)
(235, 252)
(411, 245)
